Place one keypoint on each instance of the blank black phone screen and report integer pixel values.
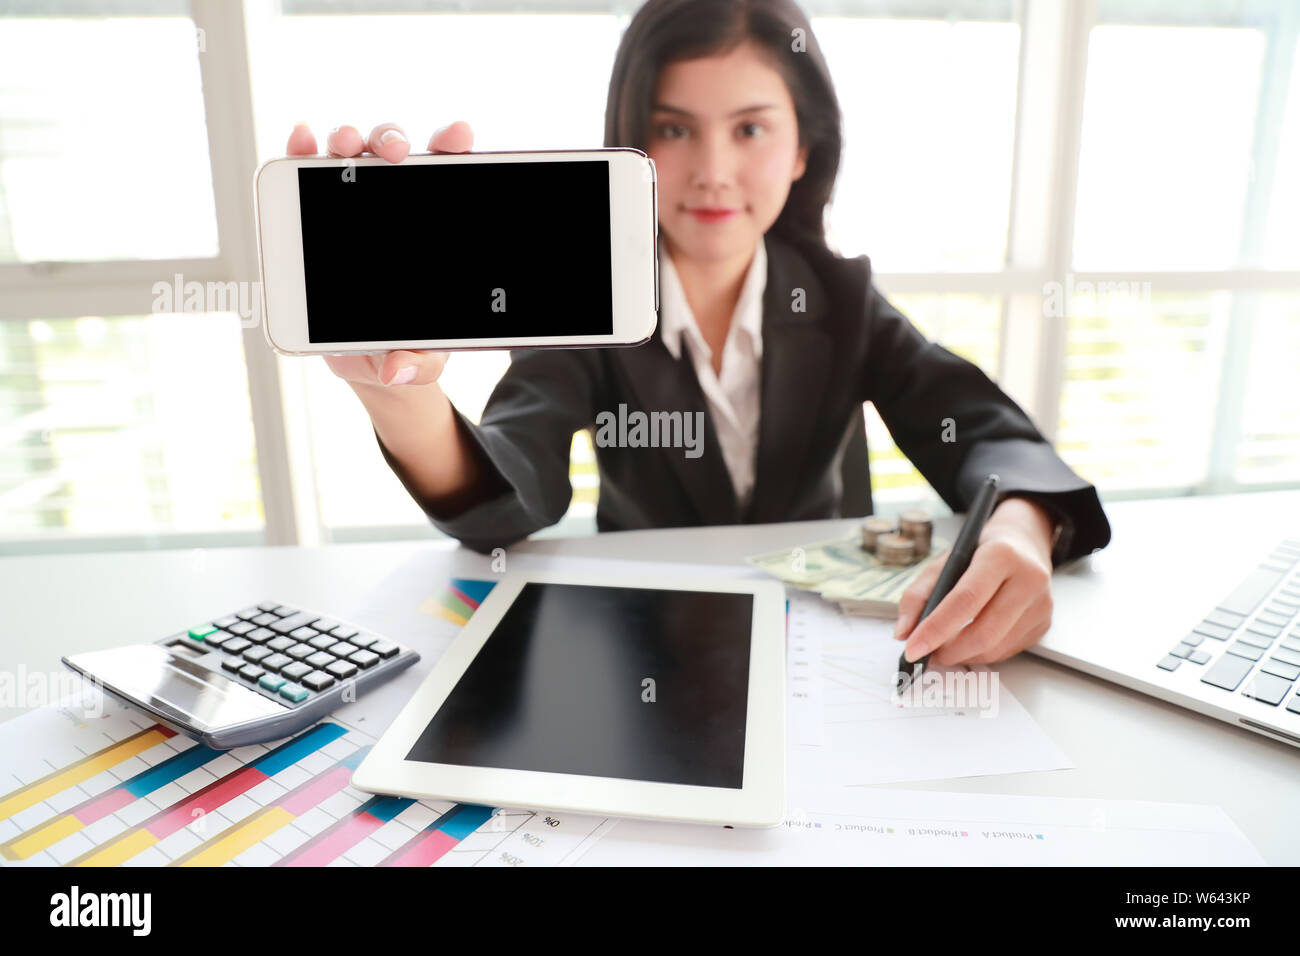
(634, 683)
(449, 251)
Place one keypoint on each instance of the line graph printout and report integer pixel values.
(869, 736)
(806, 724)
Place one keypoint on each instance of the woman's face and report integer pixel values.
(725, 140)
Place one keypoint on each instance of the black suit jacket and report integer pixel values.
(848, 346)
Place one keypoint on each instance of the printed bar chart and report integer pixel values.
(121, 789)
(458, 601)
(440, 836)
(210, 798)
(96, 808)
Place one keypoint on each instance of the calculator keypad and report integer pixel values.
(296, 671)
(317, 681)
(364, 659)
(342, 669)
(291, 654)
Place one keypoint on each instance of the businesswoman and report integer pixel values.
(775, 337)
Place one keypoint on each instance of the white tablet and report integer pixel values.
(658, 698)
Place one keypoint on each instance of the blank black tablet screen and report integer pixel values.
(481, 250)
(561, 686)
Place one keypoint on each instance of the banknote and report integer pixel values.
(808, 565)
(843, 571)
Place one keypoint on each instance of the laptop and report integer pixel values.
(1230, 652)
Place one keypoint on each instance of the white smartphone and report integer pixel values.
(491, 250)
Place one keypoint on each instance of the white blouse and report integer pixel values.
(733, 395)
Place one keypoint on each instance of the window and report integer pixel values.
(929, 124)
(1140, 387)
(133, 102)
(1174, 352)
(357, 488)
(1268, 446)
(1094, 201)
(964, 324)
(126, 421)
(925, 180)
(1166, 155)
(126, 426)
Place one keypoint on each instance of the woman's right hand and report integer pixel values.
(401, 367)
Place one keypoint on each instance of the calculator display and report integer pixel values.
(635, 683)
(193, 694)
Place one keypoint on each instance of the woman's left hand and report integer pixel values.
(1005, 594)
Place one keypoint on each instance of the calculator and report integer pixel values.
(256, 675)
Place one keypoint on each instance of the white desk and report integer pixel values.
(1125, 745)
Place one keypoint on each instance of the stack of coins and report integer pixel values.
(917, 526)
(873, 528)
(894, 549)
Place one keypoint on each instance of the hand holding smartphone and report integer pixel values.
(389, 255)
(397, 367)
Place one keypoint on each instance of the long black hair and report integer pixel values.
(666, 31)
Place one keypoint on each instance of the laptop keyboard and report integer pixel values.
(1253, 633)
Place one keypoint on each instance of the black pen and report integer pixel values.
(956, 565)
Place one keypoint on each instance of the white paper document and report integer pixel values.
(875, 827)
(964, 726)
